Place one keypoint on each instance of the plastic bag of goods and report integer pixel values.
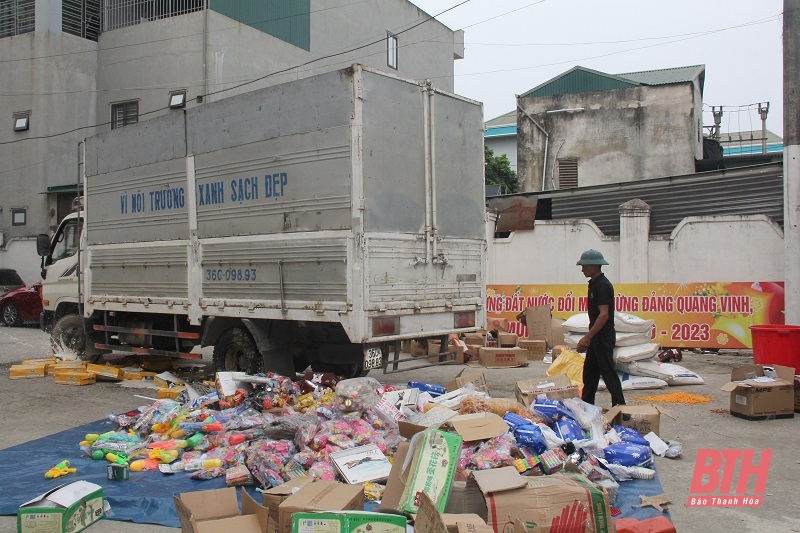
(551, 409)
(356, 394)
(568, 429)
(630, 382)
(637, 352)
(631, 435)
(623, 339)
(568, 362)
(623, 322)
(628, 454)
(671, 373)
(628, 323)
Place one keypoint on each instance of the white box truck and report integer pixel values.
(318, 222)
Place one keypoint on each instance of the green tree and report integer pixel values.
(498, 171)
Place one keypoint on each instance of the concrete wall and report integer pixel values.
(59, 91)
(237, 53)
(619, 135)
(700, 249)
(73, 86)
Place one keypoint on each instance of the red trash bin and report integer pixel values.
(776, 345)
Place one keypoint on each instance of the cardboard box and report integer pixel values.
(507, 340)
(475, 339)
(503, 357)
(761, 391)
(457, 355)
(48, 362)
(465, 523)
(498, 324)
(169, 393)
(108, 372)
(477, 380)
(74, 377)
(432, 469)
(536, 349)
(542, 500)
(272, 498)
(478, 426)
(555, 387)
(70, 507)
(537, 320)
(643, 418)
(556, 334)
(348, 522)
(27, 371)
(320, 495)
(432, 418)
(212, 511)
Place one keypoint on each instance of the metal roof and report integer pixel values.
(750, 190)
(666, 76)
(506, 119)
(580, 80)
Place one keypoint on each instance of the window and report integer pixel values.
(567, 173)
(391, 51)
(67, 240)
(18, 217)
(81, 18)
(124, 113)
(22, 121)
(17, 17)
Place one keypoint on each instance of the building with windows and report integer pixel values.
(72, 68)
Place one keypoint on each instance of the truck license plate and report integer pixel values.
(373, 358)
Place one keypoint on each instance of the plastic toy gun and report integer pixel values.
(61, 469)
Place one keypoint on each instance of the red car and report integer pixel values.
(21, 305)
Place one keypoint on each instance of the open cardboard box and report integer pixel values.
(476, 379)
(320, 495)
(430, 520)
(348, 522)
(272, 498)
(541, 500)
(67, 508)
(642, 418)
(212, 511)
(761, 391)
(556, 387)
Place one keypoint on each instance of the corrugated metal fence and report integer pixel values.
(740, 191)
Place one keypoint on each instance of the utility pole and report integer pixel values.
(791, 159)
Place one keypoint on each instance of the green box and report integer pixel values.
(71, 507)
(347, 522)
(433, 467)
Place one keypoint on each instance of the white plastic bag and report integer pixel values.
(630, 382)
(637, 352)
(671, 373)
(628, 323)
(623, 339)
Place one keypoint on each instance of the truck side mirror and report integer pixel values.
(42, 244)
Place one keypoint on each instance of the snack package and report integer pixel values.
(628, 454)
(356, 394)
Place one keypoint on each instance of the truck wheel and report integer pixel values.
(236, 351)
(11, 314)
(69, 337)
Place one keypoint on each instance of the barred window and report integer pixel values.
(124, 113)
(17, 17)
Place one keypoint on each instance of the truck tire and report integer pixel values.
(235, 350)
(69, 337)
(11, 314)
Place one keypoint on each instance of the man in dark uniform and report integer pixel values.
(599, 342)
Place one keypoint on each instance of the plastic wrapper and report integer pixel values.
(480, 403)
(631, 435)
(373, 491)
(553, 460)
(675, 450)
(584, 413)
(285, 427)
(611, 486)
(356, 394)
(208, 473)
(551, 409)
(553, 440)
(495, 453)
(238, 475)
(530, 436)
(628, 454)
(568, 429)
(323, 470)
(514, 420)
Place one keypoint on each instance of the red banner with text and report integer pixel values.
(687, 315)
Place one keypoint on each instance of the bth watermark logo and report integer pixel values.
(720, 467)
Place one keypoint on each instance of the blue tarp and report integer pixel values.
(146, 497)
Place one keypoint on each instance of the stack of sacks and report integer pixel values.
(634, 353)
